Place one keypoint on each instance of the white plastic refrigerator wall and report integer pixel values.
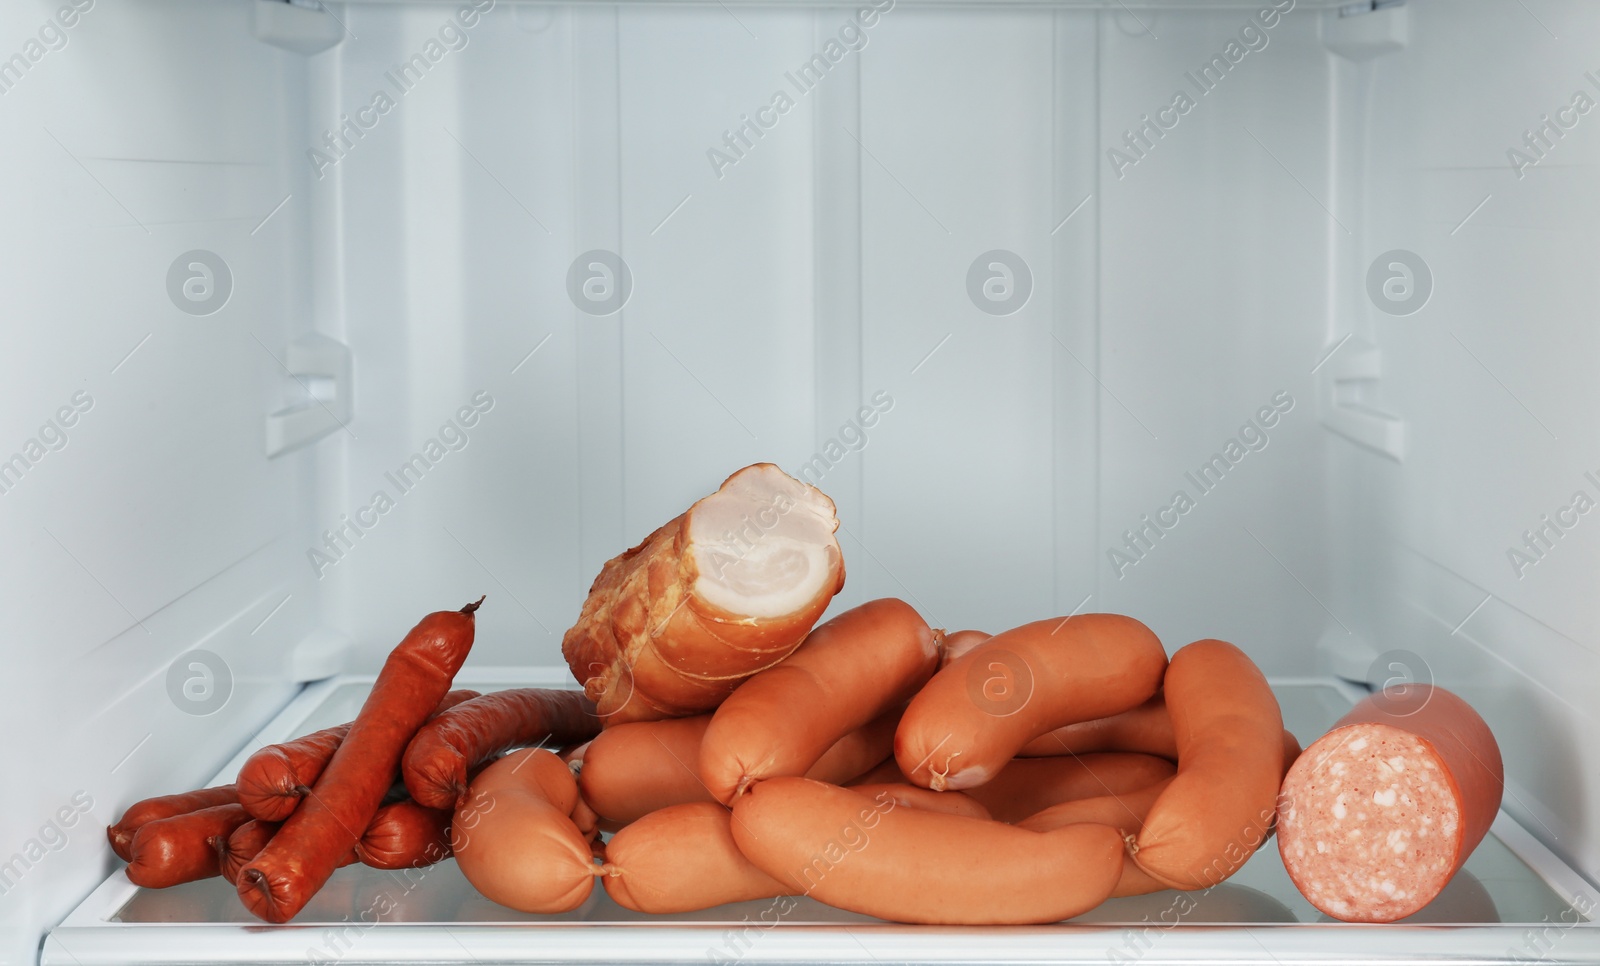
(1275, 324)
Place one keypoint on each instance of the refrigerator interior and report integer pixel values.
(983, 278)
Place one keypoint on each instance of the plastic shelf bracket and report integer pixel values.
(328, 361)
(1346, 385)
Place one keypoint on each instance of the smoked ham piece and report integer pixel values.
(720, 592)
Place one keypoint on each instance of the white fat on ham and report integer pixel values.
(763, 545)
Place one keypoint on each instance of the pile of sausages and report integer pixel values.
(889, 769)
(380, 790)
(884, 767)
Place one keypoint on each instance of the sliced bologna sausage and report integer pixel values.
(848, 671)
(1381, 811)
(1219, 808)
(163, 806)
(912, 865)
(459, 739)
(514, 837)
(980, 710)
(278, 883)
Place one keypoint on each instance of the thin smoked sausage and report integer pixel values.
(273, 780)
(405, 835)
(246, 843)
(278, 883)
(171, 851)
(163, 806)
(457, 740)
